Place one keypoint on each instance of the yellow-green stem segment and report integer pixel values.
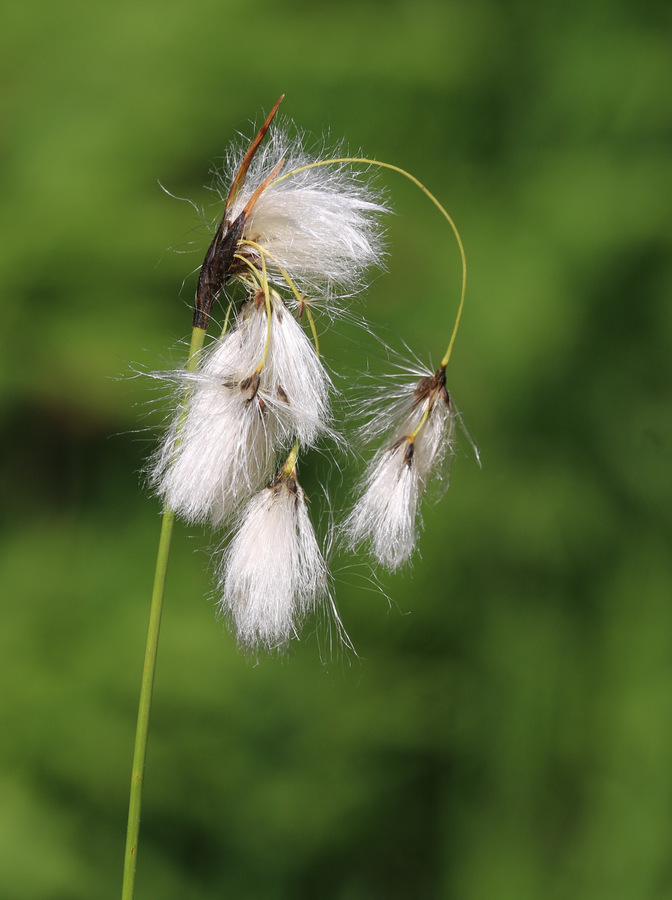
(140, 750)
(444, 212)
(289, 466)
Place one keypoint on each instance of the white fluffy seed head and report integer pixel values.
(322, 224)
(222, 446)
(272, 573)
(385, 519)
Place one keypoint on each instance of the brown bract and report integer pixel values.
(221, 260)
(431, 388)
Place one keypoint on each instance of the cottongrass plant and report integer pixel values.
(299, 234)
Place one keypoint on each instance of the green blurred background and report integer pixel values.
(506, 730)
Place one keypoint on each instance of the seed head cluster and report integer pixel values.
(299, 234)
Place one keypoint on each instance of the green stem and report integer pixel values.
(140, 750)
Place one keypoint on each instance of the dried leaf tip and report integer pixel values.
(220, 263)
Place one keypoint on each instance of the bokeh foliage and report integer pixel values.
(507, 728)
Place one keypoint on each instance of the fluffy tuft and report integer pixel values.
(385, 519)
(272, 573)
(322, 224)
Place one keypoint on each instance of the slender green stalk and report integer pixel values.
(140, 750)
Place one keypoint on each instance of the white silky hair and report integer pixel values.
(386, 517)
(294, 379)
(222, 446)
(272, 573)
(322, 224)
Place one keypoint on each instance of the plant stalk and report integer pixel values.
(142, 728)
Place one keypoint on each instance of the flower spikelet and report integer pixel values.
(273, 572)
(321, 224)
(385, 519)
(250, 397)
(220, 446)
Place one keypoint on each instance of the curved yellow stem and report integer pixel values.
(262, 284)
(300, 299)
(384, 165)
(311, 322)
(416, 431)
(289, 466)
(225, 326)
(267, 301)
(253, 269)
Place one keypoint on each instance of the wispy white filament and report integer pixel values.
(273, 572)
(320, 224)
